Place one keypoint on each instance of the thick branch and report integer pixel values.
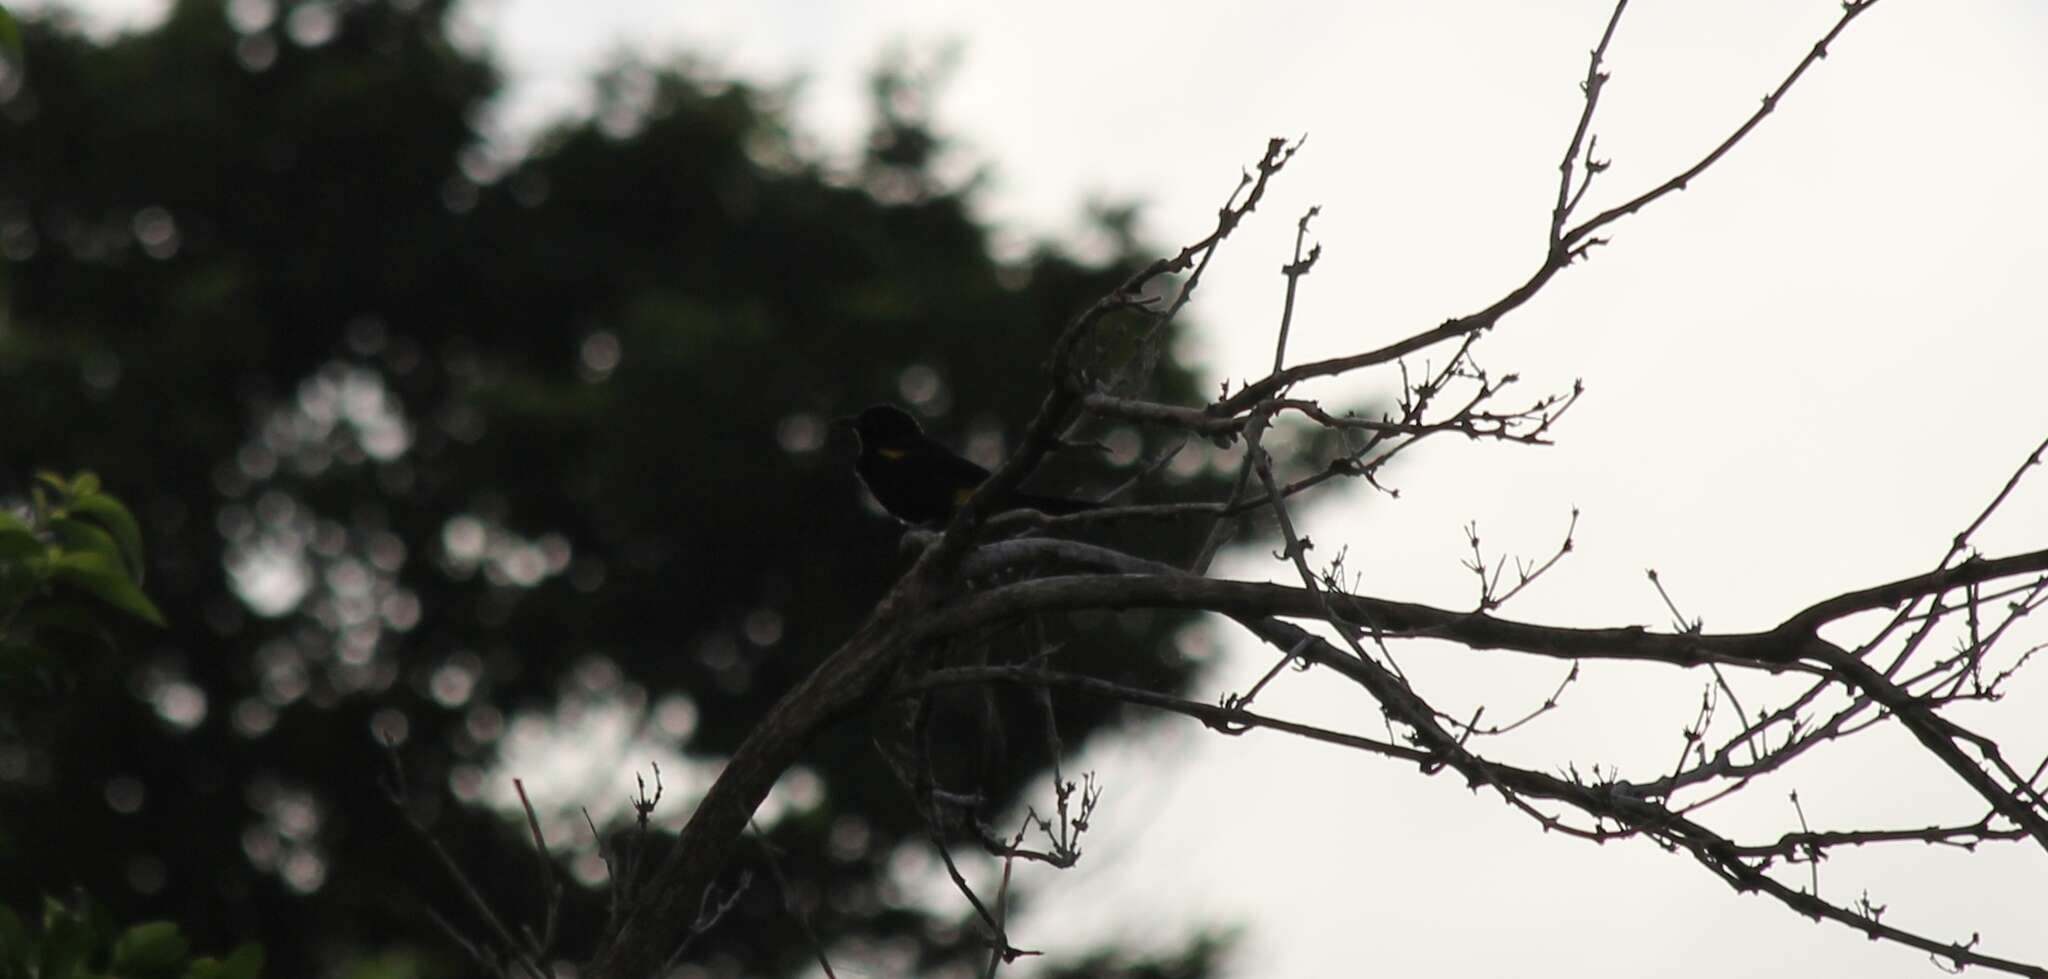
(1890, 594)
(1244, 599)
(647, 931)
(1229, 720)
(1615, 802)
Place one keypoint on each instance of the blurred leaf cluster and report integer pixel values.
(80, 941)
(72, 545)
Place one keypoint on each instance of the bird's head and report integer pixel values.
(882, 425)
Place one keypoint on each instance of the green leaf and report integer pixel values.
(80, 537)
(18, 542)
(10, 40)
(17, 951)
(67, 941)
(24, 561)
(11, 521)
(388, 965)
(23, 565)
(84, 482)
(245, 962)
(119, 522)
(102, 575)
(149, 948)
(92, 560)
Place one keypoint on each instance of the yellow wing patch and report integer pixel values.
(960, 495)
(893, 455)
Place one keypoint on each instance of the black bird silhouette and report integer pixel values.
(920, 481)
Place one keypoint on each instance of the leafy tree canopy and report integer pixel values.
(436, 448)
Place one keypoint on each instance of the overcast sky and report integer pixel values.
(1804, 374)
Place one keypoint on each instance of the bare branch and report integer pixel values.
(1579, 235)
(1595, 80)
(1565, 248)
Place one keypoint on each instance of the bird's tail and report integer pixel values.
(1051, 506)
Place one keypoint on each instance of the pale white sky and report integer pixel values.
(1804, 374)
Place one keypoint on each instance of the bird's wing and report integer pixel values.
(957, 469)
(959, 475)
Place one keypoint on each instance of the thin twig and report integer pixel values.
(550, 884)
(789, 901)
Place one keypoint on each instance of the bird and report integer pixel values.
(920, 481)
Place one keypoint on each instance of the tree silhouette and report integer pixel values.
(445, 452)
(432, 446)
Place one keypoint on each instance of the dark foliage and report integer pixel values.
(552, 432)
